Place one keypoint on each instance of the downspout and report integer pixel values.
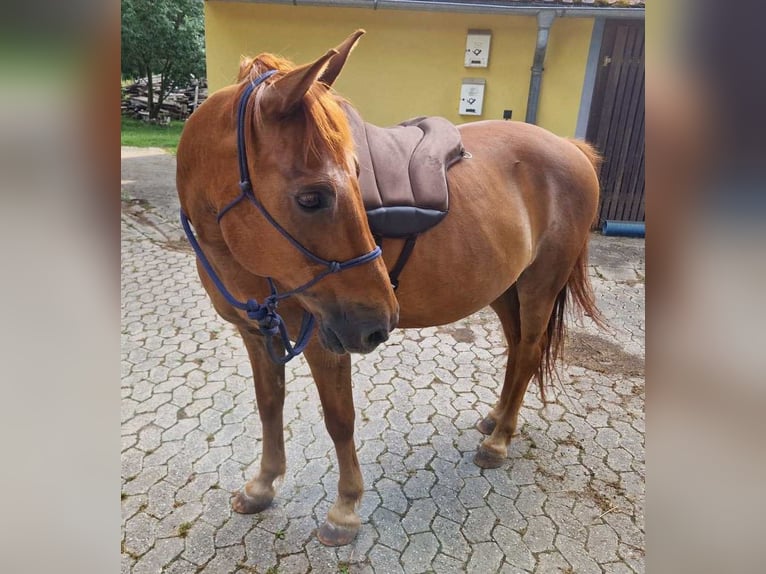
(545, 20)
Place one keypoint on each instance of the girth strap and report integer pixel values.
(404, 256)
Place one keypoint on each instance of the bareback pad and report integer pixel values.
(403, 172)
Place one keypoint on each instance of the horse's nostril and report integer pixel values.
(377, 337)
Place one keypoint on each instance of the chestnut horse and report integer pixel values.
(515, 238)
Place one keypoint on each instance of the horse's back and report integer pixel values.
(554, 177)
(514, 143)
(522, 194)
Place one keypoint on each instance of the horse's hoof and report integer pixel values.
(246, 504)
(486, 425)
(485, 458)
(330, 534)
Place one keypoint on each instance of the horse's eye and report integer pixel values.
(315, 197)
(311, 200)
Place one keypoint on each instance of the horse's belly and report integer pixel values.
(455, 271)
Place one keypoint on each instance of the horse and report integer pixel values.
(521, 206)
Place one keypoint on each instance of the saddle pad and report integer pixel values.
(403, 172)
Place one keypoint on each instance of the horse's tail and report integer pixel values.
(577, 292)
(594, 157)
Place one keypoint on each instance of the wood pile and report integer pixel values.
(178, 104)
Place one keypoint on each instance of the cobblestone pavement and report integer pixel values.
(570, 497)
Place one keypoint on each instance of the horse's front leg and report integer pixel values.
(332, 374)
(269, 378)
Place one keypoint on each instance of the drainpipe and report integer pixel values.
(545, 20)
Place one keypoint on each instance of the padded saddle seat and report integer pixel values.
(403, 172)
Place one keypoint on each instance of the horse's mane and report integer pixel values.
(326, 128)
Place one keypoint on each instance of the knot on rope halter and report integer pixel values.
(334, 267)
(265, 315)
(246, 187)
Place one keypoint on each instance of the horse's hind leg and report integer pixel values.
(536, 295)
(332, 374)
(269, 378)
(507, 309)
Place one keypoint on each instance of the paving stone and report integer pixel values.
(323, 559)
(199, 543)
(163, 552)
(216, 507)
(474, 492)
(145, 480)
(390, 531)
(452, 541)
(478, 527)
(227, 559)
(448, 504)
(180, 429)
(552, 563)
(419, 485)
(259, 546)
(295, 563)
(169, 526)
(161, 499)
(233, 530)
(420, 552)
(530, 500)
(191, 435)
(486, 557)
(419, 516)
(180, 566)
(211, 460)
(566, 521)
(385, 561)
(505, 510)
(140, 533)
(162, 454)
(509, 569)
(576, 555)
(515, 551)
(362, 544)
(602, 543)
(617, 568)
(126, 564)
(132, 463)
(294, 536)
(445, 565)
(539, 534)
(523, 471)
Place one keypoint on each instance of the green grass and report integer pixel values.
(183, 529)
(142, 134)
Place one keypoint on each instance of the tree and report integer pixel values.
(164, 37)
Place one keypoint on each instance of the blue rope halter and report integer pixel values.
(270, 323)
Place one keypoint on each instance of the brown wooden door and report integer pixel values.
(616, 123)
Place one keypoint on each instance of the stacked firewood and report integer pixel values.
(178, 104)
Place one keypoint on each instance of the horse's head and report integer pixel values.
(300, 154)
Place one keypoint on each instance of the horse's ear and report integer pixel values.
(339, 60)
(282, 97)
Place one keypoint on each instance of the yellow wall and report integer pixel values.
(409, 63)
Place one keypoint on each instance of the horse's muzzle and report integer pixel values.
(360, 332)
